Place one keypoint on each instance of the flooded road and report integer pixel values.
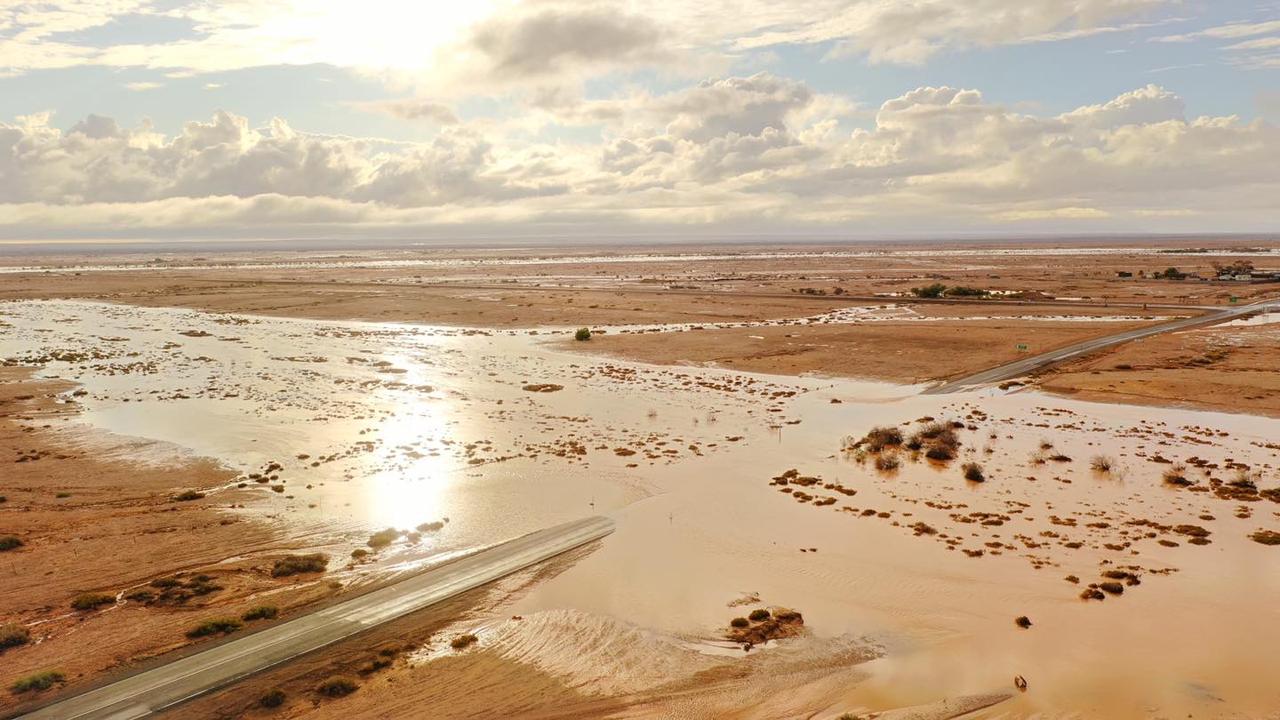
(496, 433)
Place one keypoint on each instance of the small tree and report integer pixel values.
(582, 335)
(929, 291)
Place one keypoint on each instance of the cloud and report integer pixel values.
(734, 152)
(548, 41)
(1255, 53)
(416, 110)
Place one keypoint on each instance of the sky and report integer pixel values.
(609, 118)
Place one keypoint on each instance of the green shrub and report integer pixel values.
(37, 681)
(929, 291)
(338, 686)
(261, 612)
(582, 334)
(9, 542)
(273, 698)
(92, 601)
(13, 635)
(297, 564)
(216, 626)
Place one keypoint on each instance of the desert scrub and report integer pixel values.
(337, 686)
(9, 542)
(382, 538)
(1176, 475)
(92, 601)
(463, 641)
(188, 495)
(739, 622)
(1102, 463)
(582, 334)
(273, 698)
(1265, 537)
(216, 626)
(973, 472)
(759, 615)
(261, 612)
(887, 463)
(37, 681)
(13, 635)
(297, 564)
(882, 437)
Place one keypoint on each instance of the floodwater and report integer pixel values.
(385, 425)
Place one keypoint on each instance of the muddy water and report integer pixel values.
(402, 425)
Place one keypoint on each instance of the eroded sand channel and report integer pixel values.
(378, 425)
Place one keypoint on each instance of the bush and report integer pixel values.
(962, 291)
(973, 472)
(216, 626)
(188, 495)
(887, 463)
(13, 635)
(582, 334)
(92, 601)
(338, 686)
(940, 452)
(383, 538)
(297, 564)
(359, 553)
(261, 612)
(463, 641)
(9, 542)
(929, 291)
(273, 698)
(759, 615)
(882, 437)
(1177, 475)
(739, 622)
(1102, 463)
(38, 681)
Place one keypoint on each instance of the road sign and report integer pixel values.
(1023, 347)
(1234, 299)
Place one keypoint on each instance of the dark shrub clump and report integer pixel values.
(261, 612)
(92, 601)
(9, 542)
(759, 615)
(13, 636)
(973, 472)
(273, 698)
(216, 626)
(37, 681)
(338, 686)
(463, 641)
(297, 564)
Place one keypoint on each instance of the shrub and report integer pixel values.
(297, 564)
(940, 452)
(216, 626)
(188, 495)
(359, 553)
(929, 291)
(463, 641)
(9, 542)
(882, 437)
(13, 635)
(273, 698)
(1102, 463)
(962, 291)
(338, 686)
(383, 538)
(759, 615)
(739, 622)
(582, 334)
(37, 681)
(260, 612)
(92, 601)
(886, 463)
(1177, 475)
(973, 472)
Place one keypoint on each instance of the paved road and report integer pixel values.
(1036, 362)
(147, 692)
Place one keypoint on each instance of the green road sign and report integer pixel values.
(1234, 299)
(1022, 347)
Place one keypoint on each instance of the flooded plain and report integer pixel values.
(731, 491)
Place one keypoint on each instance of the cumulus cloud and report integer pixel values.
(736, 150)
(547, 41)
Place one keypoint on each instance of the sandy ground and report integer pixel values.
(1230, 368)
(907, 352)
(92, 518)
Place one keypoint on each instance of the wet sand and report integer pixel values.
(909, 581)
